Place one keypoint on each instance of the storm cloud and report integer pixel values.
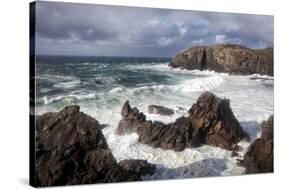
(84, 29)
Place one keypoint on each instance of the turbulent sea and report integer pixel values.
(101, 85)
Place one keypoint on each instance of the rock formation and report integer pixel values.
(139, 166)
(214, 122)
(211, 122)
(155, 109)
(259, 157)
(71, 149)
(234, 59)
(156, 134)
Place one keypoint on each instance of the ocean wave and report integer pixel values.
(193, 85)
(117, 90)
(67, 84)
(163, 67)
(105, 80)
(94, 64)
(258, 76)
(55, 78)
(71, 98)
(263, 79)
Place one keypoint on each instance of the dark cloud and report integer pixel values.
(82, 29)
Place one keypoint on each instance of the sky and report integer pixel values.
(99, 30)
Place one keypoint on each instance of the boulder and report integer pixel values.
(162, 110)
(228, 58)
(139, 166)
(211, 122)
(259, 157)
(71, 149)
(214, 123)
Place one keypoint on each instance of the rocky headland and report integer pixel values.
(233, 59)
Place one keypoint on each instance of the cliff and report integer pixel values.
(234, 59)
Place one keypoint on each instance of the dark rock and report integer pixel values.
(104, 125)
(226, 58)
(156, 134)
(240, 162)
(131, 120)
(140, 167)
(171, 136)
(214, 123)
(259, 157)
(211, 122)
(234, 154)
(155, 109)
(71, 149)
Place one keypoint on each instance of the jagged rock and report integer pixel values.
(211, 122)
(214, 123)
(155, 109)
(171, 136)
(259, 157)
(156, 134)
(71, 149)
(131, 120)
(226, 58)
(139, 166)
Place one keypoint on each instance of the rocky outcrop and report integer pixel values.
(162, 110)
(259, 157)
(211, 122)
(139, 166)
(71, 149)
(233, 59)
(156, 134)
(214, 122)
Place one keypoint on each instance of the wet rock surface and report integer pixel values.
(259, 157)
(71, 149)
(140, 167)
(214, 122)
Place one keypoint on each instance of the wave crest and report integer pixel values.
(193, 85)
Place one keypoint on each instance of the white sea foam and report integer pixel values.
(193, 85)
(71, 98)
(258, 76)
(67, 84)
(55, 78)
(117, 90)
(163, 67)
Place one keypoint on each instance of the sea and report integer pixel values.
(101, 85)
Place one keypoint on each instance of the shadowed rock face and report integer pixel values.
(211, 122)
(71, 149)
(140, 167)
(234, 59)
(259, 157)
